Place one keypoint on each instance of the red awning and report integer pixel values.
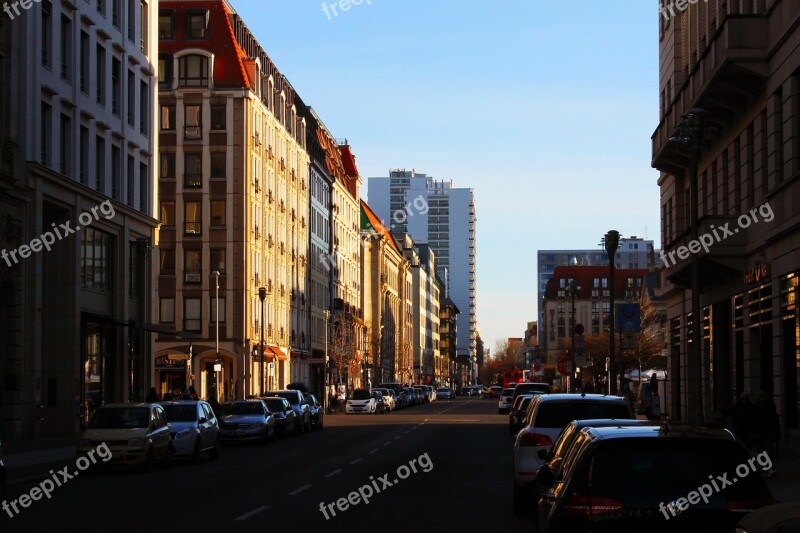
(278, 353)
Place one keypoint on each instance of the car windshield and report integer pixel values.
(243, 408)
(559, 414)
(181, 413)
(531, 388)
(443, 390)
(361, 394)
(522, 402)
(120, 418)
(508, 392)
(275, 406)
(659, 469)
(289, 395)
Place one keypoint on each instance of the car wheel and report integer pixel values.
(523, 500)
(196, 451)
(216, 450)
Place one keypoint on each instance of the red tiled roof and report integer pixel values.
(349, 162)
(376, 224)
(584, 277)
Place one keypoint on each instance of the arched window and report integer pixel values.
(193, 71)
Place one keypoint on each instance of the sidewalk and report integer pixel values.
(28, 459)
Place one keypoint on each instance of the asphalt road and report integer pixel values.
(445, 466)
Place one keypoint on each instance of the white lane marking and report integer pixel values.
(252, 513)
(301, 489)
(406, 432)
(331, 474)
(387, 443)
(354, 461)
(398, 437)
(373, 451)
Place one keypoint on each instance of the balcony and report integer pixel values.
(192, 133)
(192, 276)
(729, 75)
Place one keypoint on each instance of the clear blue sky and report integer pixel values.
(545, 108)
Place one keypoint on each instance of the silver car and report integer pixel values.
(193, 428)
(247, 420)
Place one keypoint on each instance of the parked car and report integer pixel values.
(3, 476)
(388, 399)
(426, 398)
(317, 411)
(444, 393)
(504, 403)
(546, 418)
(517, 412)
(530, 388)
(299, 404)
(247, 420)
(411, 396)
(431, 392)
(193, 428)
(380, 401)
(285, 417)
(136, 433)
(666, 470)
(396, 387)
(362, 402)
(778, 518)
(494, 391)
(467, 391)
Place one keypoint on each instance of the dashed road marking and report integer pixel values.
(252, 513)
(331, 474)
(354, 461)
(375, 450)
(301, 489)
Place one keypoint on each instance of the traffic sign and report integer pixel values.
(564, 366)
(578, 329)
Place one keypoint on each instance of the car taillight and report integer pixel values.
(535, 439)
(745, 506)
(589, 506)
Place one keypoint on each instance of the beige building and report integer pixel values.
(730, 94)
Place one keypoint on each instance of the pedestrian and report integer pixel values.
(743, 419)
(588, 388)
(152, 396)
(767, 426)
(191, 394)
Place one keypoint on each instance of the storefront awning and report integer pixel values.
(277, 353)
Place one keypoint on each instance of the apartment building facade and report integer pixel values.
(730, 86)
(234, 204)
(77, 112)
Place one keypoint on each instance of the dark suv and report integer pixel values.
(299, 404)
(530, 388)
(651, 478)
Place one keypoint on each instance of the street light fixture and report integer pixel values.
(262, 295)
(217, 362)
(611, 245)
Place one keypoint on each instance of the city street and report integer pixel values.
(282, 484)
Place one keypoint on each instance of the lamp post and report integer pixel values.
(327, 316)
(573, 290)
(690, 135)
(217, 362)
(611, 245)
(262, 295)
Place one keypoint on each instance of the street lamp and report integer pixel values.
(326, 314)
(573, 290)
(262, 295)
(690, 135)
(217, 362)
(611, 245)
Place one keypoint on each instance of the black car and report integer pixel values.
(380, 404)
(285, 416)
(317, 411)
(299, 404)
(517, 413)
(651, 478)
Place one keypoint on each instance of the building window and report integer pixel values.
(96, 254)
(167, 117)
(167, 166)
(193, 71)
(193, 121)
(83, 153)
(45, 133)
(66, 48)
(144, 180)
(47, 31)
(115, 12)
(101, 7)
(116, 171)
(217, 213)
(192, 266)
(191, 314)
(164, 71)
(218, 260)
(192, 218)
(101, 75)
(167, 313)
(144, 20)
(168, 213)
(218, 164)
(197, 25)
(218, 117)
(116, 85)
(84, 81)
(604, 282)
(166, 24)
(65, 143)
(131, 20)
(193, 170)
(131, 177)
(100, 164)
(167, 262)
(144, 101)
(212, 313)
(131, 98)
